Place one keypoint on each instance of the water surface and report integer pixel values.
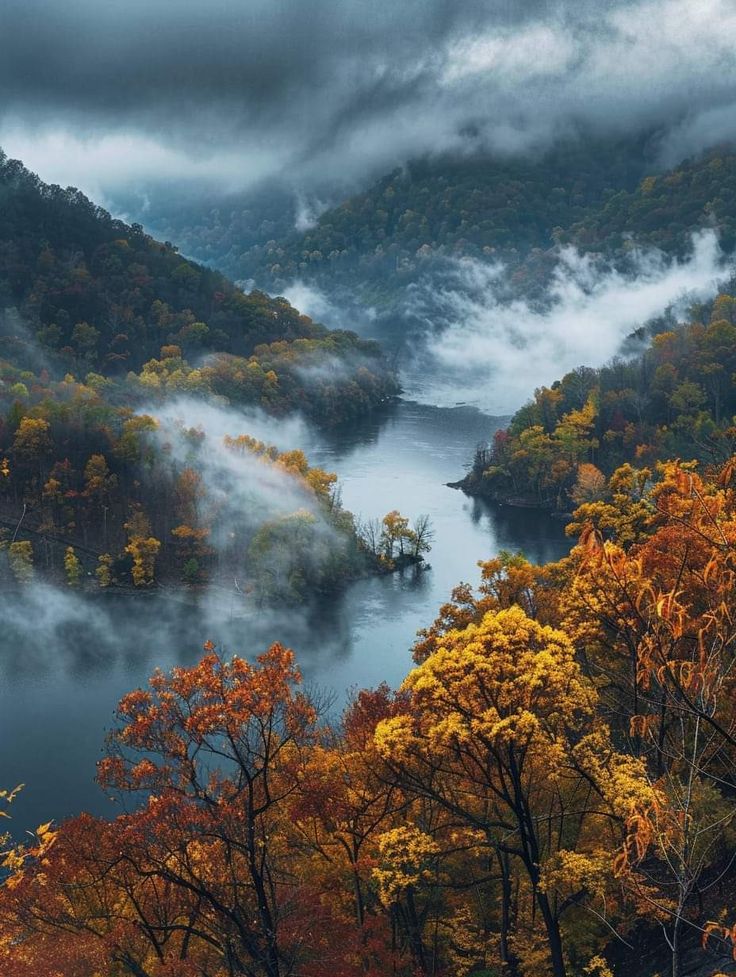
(65, 660)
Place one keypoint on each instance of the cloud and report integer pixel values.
(491, 352)
(325, 93)
(217, 421)
(104, 161)
(313, 302)
(537, 51)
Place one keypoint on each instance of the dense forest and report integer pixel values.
(99, 296)
(675, 400)
(101, 328)
(595, 197)
(95, 494)
(444, 205)
(603, 196)
(451, 208)
(213, 227)
(549, 792)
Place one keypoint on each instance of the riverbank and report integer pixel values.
(472, 486)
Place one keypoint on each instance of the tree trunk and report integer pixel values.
(676, 949)
(554, 936)
(414, 927)
(509, 959)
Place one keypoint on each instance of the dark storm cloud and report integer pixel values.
(245, 57)
(238, 89)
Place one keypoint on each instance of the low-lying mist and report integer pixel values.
(217, 421)
(486, 350)
(70, 656)
(267, 525)
(237, 492)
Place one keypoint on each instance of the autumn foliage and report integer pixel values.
(550, 789)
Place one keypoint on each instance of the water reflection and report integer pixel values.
(529, 531)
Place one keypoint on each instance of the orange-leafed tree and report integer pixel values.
(655, 622)
(82, 901)
(218, 746)
(342, 806)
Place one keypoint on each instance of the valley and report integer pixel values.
(368, 489)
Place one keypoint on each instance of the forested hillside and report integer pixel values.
(101, 327)
(675, 400)
(212, 227)
(597, 198)
(600, 196)
(378, 240)
(449, 208)
(97, 295)
(665, 208)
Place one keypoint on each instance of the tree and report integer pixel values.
(500, 732)
(191, 544)
(287, 554)
(421, 537)
(32, 442)
(343, 804)
(589, 485)
(75, 904)
(219, 746)
(369, 534)
(20, 557)
(142, 548)
(98, 480)
(104, 570)
(85, 339)
(395, 533)
(72, 567)
(32, 439)
(655, 621)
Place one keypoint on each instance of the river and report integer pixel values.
(67, 659)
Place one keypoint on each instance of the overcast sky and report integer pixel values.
(104, 93)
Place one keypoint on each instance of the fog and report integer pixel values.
(218, 421)
(338, 311)
(83, 632)
(62, 678)
(240, 492)
(327, 93)
(491, 352)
